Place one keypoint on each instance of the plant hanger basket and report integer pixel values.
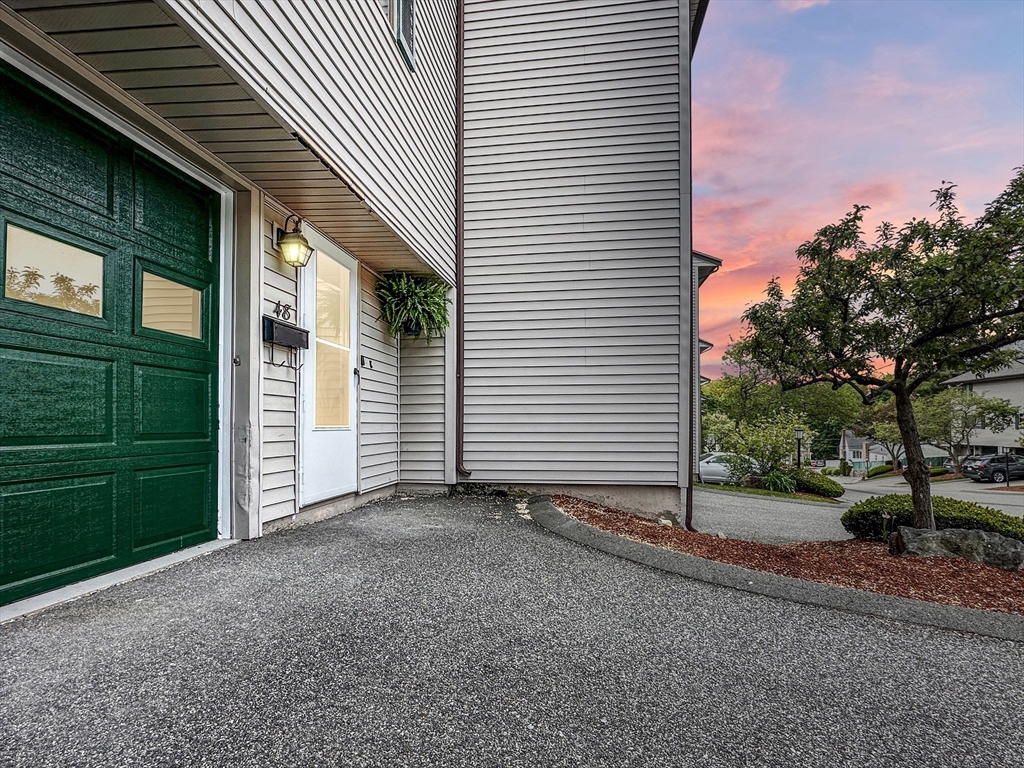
(413, 304)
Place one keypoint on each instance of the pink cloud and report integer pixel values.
(770, 168)
(792, 6)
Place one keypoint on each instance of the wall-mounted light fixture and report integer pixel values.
(295, 249)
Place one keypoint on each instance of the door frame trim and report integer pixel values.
(225, 345)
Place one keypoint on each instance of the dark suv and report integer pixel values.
(994, 467)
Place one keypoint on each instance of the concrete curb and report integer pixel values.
(827, 505)
(1001, 626)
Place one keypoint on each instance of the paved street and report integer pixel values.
(779, 521)
(1010, 502)
(764, 518)
(446, 632)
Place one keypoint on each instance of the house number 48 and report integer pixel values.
(283, 311)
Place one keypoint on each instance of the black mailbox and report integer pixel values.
(284, 334)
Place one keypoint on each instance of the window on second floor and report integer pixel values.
(405, 24)
(401, 16)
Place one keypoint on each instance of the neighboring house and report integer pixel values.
(1007, 384)
(699, 407)
(533, 156)
(704, 267)
(862, 453)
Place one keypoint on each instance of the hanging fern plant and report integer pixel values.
(413, 304)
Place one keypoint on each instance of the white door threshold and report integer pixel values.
(73, 591)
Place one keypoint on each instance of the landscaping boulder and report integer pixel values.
(979, 546)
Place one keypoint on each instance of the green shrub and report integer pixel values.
(881, 470)
(844, 467)
(938, 471)
(809, 481)
(864, 519)
(779, 481)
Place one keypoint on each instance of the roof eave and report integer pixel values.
(698, 8)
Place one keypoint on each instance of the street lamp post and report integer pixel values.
(799, 434)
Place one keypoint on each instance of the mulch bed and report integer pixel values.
(858, 564)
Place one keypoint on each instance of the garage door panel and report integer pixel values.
(56, 149)
(55, 399)
(76, 452)
(173, 506)
(172, 404)
(56, 525)
(108, 403)
(161, 417)
(43, 204)
(173, 210)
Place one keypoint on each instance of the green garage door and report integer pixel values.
(108, 348)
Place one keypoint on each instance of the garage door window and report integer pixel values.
(171, 307)
(41, 270)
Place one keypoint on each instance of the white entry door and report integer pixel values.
(329, 298)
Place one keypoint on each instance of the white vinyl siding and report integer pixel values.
(1011, 390)
(573, 288)
(378, 393)
(334, 73)
(423, 411)
(280, 393)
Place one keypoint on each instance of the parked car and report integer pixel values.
(713, 469)
(994, 467)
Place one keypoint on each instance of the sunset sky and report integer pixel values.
(803, 108)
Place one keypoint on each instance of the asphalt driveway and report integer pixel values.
(454, 632)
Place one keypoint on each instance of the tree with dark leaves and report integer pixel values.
(933, 298)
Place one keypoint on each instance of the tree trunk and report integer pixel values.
(917, 469)
(893, 454)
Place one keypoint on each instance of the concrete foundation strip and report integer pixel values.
(998, 625)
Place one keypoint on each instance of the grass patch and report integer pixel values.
(884, 475)
(764, 492)
(939, 479)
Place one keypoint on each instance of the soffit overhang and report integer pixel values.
(142, 50)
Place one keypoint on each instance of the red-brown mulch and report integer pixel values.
(858, 564)
(1018, 488)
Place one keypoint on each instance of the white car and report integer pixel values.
(713, 469)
